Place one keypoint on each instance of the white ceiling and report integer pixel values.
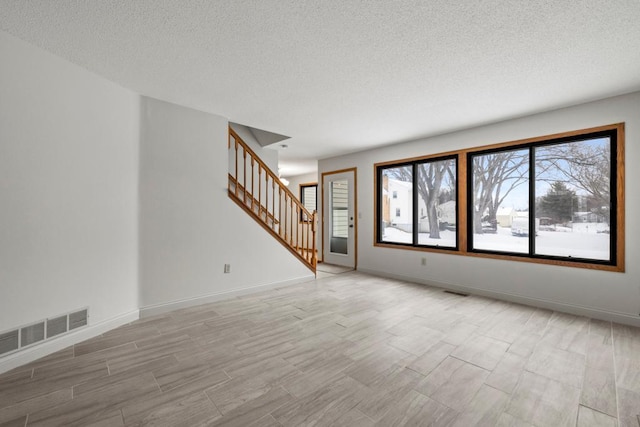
(344, 75)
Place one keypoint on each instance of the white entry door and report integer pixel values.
(339, 218)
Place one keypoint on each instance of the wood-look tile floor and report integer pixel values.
(344, 350)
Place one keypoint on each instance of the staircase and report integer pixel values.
(258, 190)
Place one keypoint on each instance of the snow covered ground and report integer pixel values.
(584, 240)
(447, 238)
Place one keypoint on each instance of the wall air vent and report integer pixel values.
(77, 319)
(56, 326)
(17, 339)
(31, 334)
(9, 341)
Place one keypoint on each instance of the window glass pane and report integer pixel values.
(573, 199)
(309, 199)
(437, 203)
(500, 191)
(340, 209)
(396, 223)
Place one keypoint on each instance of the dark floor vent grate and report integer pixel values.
(9, 341)
(17, 339)
(460, 294)
(77, 319)
(56, 326)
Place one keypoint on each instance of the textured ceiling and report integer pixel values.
(344, 75)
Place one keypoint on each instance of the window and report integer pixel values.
(498, 182)
(423, 197)
(308, 198)
(396, 229)
(555, 199)
(551, 199)
(340, 208)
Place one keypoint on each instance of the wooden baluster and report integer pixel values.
(309, 240)
(280, 229)
(297, 217)
(306, 243)
(287, 225)
(290, 205)
(260, 191)
(252, 178)
(236, 175)
(291, 221)
(313, 230)
(228, 154)
(285, 216)
(273, 204)
(294, 224)
(244, 175)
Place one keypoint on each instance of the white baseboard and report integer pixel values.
(22, 357)
(155, 309)
(579, 310)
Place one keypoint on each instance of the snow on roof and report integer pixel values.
(397, 183)
(505, 210)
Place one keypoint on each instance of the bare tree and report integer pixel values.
(585, 165)
(430, 179)
(495, 176)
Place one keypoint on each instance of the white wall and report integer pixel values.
(601, 294)
(70, 171)
(68, 190)
(189, 228)
(307, 178)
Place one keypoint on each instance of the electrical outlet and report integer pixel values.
(423, 261)
(227, 268)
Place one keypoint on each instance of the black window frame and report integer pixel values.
(379, 170)
(612, 134)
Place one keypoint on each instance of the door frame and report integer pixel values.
(355, 210)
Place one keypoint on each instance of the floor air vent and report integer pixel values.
(14, 340)
(460, 294)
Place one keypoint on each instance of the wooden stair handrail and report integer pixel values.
(268, 170)
(299, 237)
